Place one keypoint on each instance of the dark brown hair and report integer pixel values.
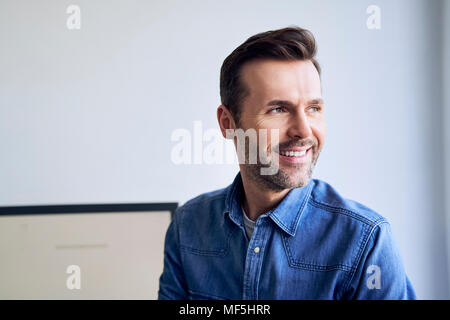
(292, 43)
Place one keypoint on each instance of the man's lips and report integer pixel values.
(298, 149)
(295, 155)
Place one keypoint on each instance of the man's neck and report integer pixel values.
(257, 201)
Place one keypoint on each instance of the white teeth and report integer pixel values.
(293, 153)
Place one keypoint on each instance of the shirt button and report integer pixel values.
(256, 250)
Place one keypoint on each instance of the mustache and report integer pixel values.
(308, 142)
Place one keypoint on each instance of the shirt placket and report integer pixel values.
(254, 260)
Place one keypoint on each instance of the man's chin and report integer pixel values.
(287, 176)
(285, 179)
(296, 183)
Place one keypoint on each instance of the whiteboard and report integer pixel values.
(116, 255)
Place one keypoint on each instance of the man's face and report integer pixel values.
(284, 95)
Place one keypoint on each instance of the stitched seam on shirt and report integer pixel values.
(262, 252)
(310, 266)
(206, 295)
(362, 249)
(215, 253)
(345, 212)
(177, 221)
(294, 223)
(361, 245)
(281, 223)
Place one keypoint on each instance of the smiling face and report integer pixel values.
(284, 95)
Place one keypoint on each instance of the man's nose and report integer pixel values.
(299, 126)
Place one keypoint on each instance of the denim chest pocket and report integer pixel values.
(205, 237)
(326, 244)
(315, 258)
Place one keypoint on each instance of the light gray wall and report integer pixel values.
(446, 113)
(86, 116)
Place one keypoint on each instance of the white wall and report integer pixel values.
(446, 113)
(86, 116)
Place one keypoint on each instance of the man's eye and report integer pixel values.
(313, 109)
(276, 110)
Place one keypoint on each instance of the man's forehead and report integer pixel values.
(268, 79)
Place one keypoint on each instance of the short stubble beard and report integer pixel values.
(281, 180)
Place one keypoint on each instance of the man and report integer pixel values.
(279, 235)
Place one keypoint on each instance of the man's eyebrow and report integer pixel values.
(280, 103)
(316, 101)
(289, 104)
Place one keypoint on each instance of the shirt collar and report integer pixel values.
(286, 215)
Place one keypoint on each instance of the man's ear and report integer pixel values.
(225, 119)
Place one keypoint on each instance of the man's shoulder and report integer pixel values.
(206, 197)
(327, 198)
(200, 224)
(205, 203)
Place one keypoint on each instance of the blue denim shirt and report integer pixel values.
(314, 245)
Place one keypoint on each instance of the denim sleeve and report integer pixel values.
(172, 283)
(380, 273)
